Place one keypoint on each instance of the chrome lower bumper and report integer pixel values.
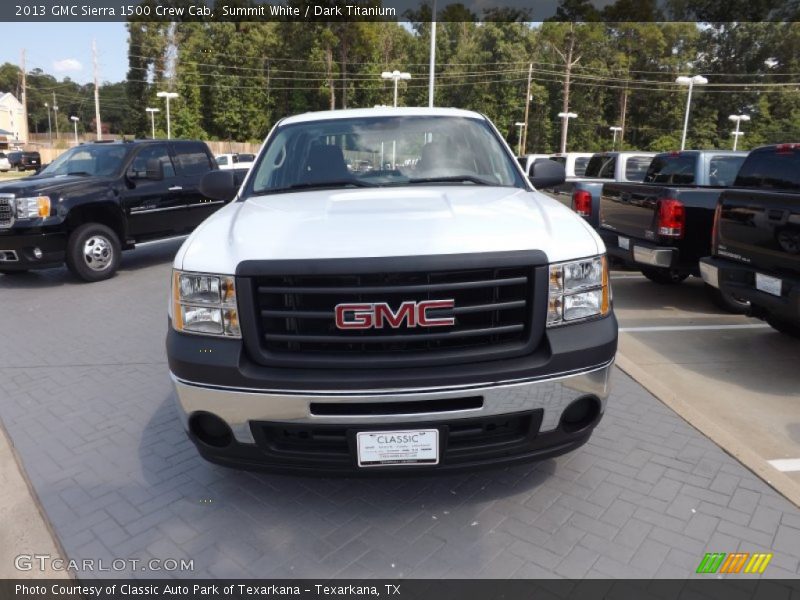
(240, 406)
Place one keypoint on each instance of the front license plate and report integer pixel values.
(624, 243)
(388, 448)
(770, 285)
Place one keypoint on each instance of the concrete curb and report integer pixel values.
(728, 442)
(29, 524)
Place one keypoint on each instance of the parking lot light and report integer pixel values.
(395, 76)
(519, 145)
(691, 82)
(737, 119)
(616, 130)
(565, 117)
(75, 120)
(168, 96)
(153, 112)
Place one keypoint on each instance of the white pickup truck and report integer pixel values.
(434, 312)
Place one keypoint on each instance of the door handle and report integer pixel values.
(175, 188)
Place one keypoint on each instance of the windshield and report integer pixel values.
(94, 160)
(384, 151)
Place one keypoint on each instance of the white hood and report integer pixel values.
(401, 221)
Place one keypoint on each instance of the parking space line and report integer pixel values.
(692, 327)
(786, 465)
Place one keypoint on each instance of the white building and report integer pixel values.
(13, 128)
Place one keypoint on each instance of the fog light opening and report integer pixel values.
(210, 429)
(37, 252)
(580, 414)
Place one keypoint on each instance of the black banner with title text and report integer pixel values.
(399, 10)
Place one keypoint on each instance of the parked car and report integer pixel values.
(235, 161)
(97, 199)
(756, 244)
(575, 163)
(527, 161)
(442, 317)
(663, 226)
(582, 194)
(5, 165)
(24, 161)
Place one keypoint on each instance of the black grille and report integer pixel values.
(6, 213)
(493, 308)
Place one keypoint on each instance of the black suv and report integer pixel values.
(24, 161)
(97, 199)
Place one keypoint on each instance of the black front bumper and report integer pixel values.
(489, 442)
(739, 280)
(17, 251)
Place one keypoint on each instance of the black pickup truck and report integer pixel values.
(663, 225)
(97, 199)
(756, 243)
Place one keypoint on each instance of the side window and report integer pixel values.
(192, 159)
(607, 170)
(636, 168)
(222, 161)
(158, 151)
(580, 165)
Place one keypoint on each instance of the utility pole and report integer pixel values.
(569, 63)
(624, 114)
(24, 96)
(96, 93)
(55, 113)
(527, 107)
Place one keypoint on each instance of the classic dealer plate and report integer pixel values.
(388, 448)
(770, 285)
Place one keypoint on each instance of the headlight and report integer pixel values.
(578, 290)
(204, 304)
(34, 207)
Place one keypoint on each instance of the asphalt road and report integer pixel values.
(87, 403)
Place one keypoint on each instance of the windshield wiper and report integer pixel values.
(321, 184)
(453, 179)
(79, 173)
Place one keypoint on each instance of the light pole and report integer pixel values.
(49, 124)
(737, 119)
(691, 82)
(75, 120)
(153, 112)
(168, 96)
(395, 76)
(616, 130)
(566, 116)
(432, 57)
(55, 118)
(519, 144)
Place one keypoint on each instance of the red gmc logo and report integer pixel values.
(378, 315)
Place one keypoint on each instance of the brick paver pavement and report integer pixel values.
(85, 396)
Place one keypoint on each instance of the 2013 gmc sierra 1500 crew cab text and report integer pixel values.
(97, 199)
(434, 312)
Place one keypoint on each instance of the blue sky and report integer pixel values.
(65, 49)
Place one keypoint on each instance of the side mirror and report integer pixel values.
(547, 174)
(155, 169)
(219, 185)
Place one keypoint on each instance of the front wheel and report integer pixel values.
(784, 326)
(93, 252)
(727, 302)
(664, 276)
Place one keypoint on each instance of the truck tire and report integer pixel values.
(664, 276)
(93, 252)
(785, 327)
(727, 302)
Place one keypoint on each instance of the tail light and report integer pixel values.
(715, 228)
(671, 218)
(582, 203)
